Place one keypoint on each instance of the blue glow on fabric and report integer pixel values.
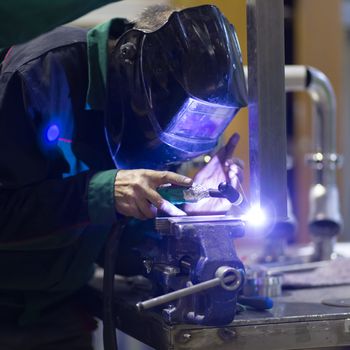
(52, 133)
(64, 142)
(59, 133)
(76, 166)
(58, 118)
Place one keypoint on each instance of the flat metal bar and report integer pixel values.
(267, 116)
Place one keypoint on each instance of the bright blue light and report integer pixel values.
(256, 216)
(260, 220)
(52, 133)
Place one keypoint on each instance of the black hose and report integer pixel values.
(111, 250)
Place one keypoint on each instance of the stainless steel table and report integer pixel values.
(298, 320)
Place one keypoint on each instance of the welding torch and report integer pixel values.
(180, 195)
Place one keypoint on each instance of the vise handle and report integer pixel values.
(228, 277)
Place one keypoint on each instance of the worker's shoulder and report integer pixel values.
(60, 37)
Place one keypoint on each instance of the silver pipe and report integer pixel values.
(320, 90)
(296, 78)
(324, 113)
(325, 220)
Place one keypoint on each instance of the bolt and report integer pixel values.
(347, 325)
(148, 264)
(171, 270)
(169, 313)
(227, 334)
(186, 337)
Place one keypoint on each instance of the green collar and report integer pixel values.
(97, 46)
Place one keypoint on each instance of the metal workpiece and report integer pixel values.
(177, 225)
(296, 78)
(260, 283)
(267, 112)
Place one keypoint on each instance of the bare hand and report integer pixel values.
(223, 167)
(136, 193)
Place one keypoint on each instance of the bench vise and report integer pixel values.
(195, 269)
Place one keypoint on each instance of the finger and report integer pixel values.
(154, 198)
(234, 161)
(234, 179)
(131, 210)
(160, 203)
(165, 177)
(146, 208)
(231, 145)
(171, 209)
(235, 171)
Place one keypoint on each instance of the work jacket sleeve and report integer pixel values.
(43, 192)
(21, 20)
(55, 207)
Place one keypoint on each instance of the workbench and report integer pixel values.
(298, 320)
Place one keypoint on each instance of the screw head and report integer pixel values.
(227, 334)
(186, 337)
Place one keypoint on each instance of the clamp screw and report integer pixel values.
(227, 334)
(186, 337)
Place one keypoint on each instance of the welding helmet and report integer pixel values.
(172, 92)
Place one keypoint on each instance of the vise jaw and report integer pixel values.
(195, 251)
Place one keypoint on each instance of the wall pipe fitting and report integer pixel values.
(325, 220)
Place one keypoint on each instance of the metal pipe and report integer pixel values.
(325, 220)
(267, 112)
(319, 88)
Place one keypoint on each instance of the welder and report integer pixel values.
(88, 124)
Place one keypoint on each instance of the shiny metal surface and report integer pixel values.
(228, 277)
(175, 225)
(295, 267)
(295, 78)
(344, 302)
(266, 95)
(298, 320)
(194, 248)
(325, 220)
(261, 283)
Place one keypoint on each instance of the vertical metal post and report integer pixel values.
(267, 117)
